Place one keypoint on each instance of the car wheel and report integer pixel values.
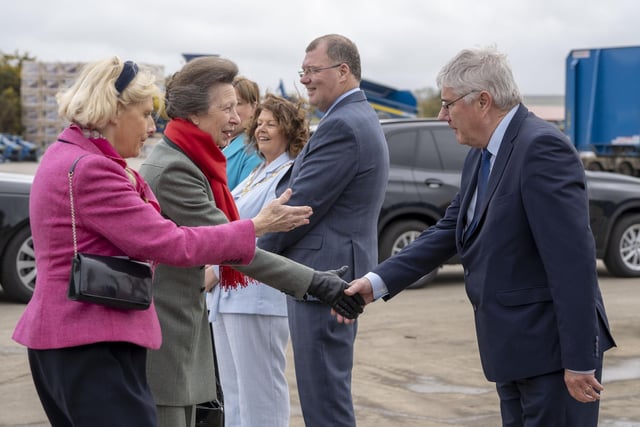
(623, 253)
(19, 267)
(625, 168)
(595, 166)
(396, 237)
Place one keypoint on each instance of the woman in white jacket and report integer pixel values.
(250, 323)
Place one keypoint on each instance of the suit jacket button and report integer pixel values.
(466, 271)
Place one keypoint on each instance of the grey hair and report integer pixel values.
(340, 50)
(475, 70)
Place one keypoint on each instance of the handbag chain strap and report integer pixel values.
(73, 211)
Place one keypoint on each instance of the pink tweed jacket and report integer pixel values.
(111, 219)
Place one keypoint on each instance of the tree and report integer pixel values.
(429, 102)
(10, 107)
(10, 111)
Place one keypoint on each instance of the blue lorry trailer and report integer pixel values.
(602, 107)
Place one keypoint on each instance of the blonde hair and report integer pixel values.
(247, 89)
(92, 101)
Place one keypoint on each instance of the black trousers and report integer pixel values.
(544, 401)
(95, 385)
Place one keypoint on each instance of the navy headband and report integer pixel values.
(127, 74)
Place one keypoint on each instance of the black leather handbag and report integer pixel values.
(116, 282)
(210, 414)
(111, 281)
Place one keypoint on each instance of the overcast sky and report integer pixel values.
(402, 43)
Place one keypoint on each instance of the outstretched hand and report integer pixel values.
(362, 290)
(348, 306)
(329, 288)
(277, 216)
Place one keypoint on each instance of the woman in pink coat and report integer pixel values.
(88, 360)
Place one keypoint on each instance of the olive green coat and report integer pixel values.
(181, 372)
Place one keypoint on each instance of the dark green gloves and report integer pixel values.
(329, 288)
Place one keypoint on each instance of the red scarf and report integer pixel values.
(200, 147)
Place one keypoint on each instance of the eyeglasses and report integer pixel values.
(312, 70)
(447, 105)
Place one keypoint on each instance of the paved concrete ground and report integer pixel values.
(416, 363)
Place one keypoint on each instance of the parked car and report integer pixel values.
(17, 262)
(426, 162)
(16, 148)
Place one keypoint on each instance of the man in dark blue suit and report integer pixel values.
(520, 224)
(342, 174)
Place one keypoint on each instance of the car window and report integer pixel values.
(402, 147)
(452, 153)
(427, 156)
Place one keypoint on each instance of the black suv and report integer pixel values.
(426, 162)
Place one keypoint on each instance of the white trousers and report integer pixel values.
(251, 352)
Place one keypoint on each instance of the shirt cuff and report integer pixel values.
(377, 285)
(592, 371)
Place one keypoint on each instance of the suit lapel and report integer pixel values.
(354, 97)
(467, 187)
(499, 167)
(473, 182)
(506, 148)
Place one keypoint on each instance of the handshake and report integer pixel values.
(329, 288)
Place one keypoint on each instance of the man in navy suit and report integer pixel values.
(520, 224)
(342, 174)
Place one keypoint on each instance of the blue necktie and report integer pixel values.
(483, 178)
